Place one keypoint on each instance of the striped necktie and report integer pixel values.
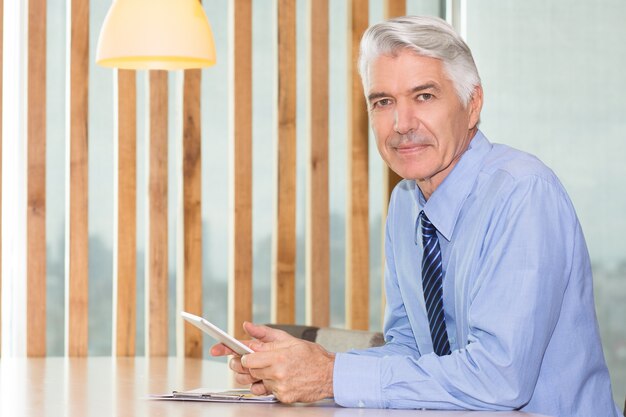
(432, 278)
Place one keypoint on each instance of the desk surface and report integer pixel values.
(104, 386)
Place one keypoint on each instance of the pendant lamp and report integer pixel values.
(156, 34)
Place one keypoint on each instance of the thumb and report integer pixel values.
(264, 333)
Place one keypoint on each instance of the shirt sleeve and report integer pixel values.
(521, 275)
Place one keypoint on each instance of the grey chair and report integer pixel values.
(333, 339)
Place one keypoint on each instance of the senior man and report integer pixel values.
(489, 288)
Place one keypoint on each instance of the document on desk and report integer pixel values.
(226, 396)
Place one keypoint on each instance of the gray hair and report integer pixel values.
(426, 36)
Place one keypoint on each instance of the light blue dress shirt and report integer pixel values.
(518, 298)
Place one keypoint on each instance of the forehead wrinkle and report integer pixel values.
(427, 86)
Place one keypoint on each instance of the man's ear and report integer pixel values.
(475, 105)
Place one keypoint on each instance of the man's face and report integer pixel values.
(420, 124)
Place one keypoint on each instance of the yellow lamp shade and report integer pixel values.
(156, 34)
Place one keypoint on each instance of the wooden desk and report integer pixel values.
(104, 386)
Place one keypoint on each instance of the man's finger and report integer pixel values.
(259, 360)
(259, 388)
(221, 350)
(264, 333)
(245, 379)
(235, 365)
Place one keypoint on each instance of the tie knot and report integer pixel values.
(428, 230)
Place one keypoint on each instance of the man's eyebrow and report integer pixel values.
(374, 96)
(416, 89)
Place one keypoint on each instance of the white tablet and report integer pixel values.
(216, 333)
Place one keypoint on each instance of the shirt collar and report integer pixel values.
(444, 205)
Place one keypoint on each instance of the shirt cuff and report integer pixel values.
(356, 381)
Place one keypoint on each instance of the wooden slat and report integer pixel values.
(393, 8)
(192, 214)
(36, 205)
(125, 252)
(77, 239)
(240, 93)
(157, 258)
(357, 221)
(317, 222)
(284, 256)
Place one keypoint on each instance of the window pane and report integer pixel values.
(554, 81)
(55, 177)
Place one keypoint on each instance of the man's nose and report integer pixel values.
(405, 120)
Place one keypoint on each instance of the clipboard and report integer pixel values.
(225, 396)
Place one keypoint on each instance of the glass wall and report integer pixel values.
(555, 86)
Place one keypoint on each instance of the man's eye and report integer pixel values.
(424, 97)
(382, 103)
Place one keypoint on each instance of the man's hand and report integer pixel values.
(242, 374)
(290, 368)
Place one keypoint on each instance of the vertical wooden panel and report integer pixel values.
(357, 221)
(393, 8)
(192, 214)
(157, 256)
(36, 205)
(240, 118)
(284, 262)
(77, 239)
(125, 194)
(317, 222)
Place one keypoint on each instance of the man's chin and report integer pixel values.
(407, 173)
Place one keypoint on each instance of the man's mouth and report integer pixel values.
(406, 148)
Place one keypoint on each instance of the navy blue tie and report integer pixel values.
(432, 278)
